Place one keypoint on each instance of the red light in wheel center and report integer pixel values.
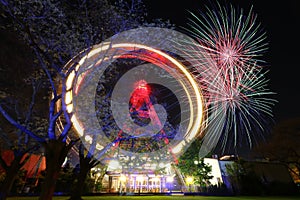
(140, 95)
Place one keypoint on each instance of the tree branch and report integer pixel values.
(19, 126)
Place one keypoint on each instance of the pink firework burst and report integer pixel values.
(228, 52)
(229, 45)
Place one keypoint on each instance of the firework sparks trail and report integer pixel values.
(231, 75)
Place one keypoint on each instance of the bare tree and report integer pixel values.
(21, 145)
(23, 110)
(56, 31)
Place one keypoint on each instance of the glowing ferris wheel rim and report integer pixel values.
(131, 40)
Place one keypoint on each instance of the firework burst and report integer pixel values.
(229, 45)
(230, 37)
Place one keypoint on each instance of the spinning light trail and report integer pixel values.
(110, 124)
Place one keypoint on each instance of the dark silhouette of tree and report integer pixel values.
(283, 146)
(243, 178)
(86, 163)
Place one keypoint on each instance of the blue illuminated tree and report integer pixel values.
(23, 110)
(56, 31)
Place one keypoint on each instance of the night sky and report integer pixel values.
(280, 20)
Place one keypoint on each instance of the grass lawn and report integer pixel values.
(167, 198)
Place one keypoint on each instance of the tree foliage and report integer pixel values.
(191, 165)
(283, 146)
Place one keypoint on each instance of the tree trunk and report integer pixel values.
(55, 152)
(79, 185)
(11, 174)
(10, 177)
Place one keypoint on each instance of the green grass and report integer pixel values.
(167, 198)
